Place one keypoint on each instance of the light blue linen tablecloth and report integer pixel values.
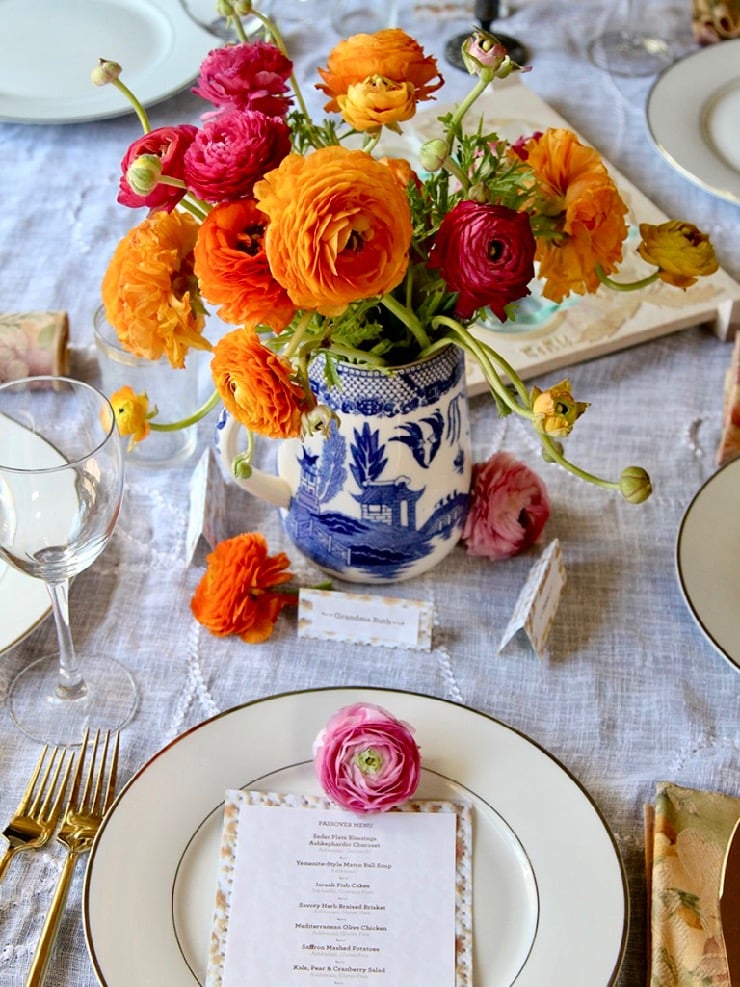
(631, 692)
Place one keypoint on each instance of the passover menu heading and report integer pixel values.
(324, 896)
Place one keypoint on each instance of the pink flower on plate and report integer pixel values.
(508, 510)
(232, 151)
(169, 144)
(366, 759)
(250, 76)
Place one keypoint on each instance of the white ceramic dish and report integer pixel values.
(24, 601)
(50, 47)
(693, 114)
(549, 892)
(706, 560)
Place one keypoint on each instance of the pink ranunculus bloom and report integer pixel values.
(486, 254)
(508, 510)
(233, 151)
(247, 76)
(366, 759)
(169, 144)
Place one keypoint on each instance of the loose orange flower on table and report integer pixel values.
(239, 594)
(680, 251)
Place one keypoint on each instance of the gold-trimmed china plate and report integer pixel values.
(550, 898)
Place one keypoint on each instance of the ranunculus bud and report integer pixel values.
(433, 154)
(318, 419)
(479, 193)
(143, 173)
(635, 485)
(105, 71)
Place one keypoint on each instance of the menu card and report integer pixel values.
(310, 894)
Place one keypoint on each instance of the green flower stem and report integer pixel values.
(628, 285)
(481, 85)
(483, 356)
(408, 319)
(140, 111)
(297, 337)
(196, 416)
(554, 455)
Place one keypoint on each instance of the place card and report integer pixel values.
(207, 516)
(311, 894)
(360, 618)
(538, 601)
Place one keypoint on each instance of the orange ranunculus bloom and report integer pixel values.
(256, 386)
(377, 102)
(150, 292)
(585, 209)
(681, 251)
(402, 171)
(339, 230)
(132, 414)
(390, 54)
(236, 594)
(232, 268)
(555, 411)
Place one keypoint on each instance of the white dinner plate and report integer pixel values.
(24, 601)
(693, 114)
(706, 560)
(550, 900)
(50, 47)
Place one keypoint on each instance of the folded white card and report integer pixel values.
(329, 897)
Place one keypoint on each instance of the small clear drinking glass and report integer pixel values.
(630, 49)
(61, 481)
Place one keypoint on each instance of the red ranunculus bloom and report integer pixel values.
(250, 76)
(232, 152)
(486, 254)
(169, 144)
(508, 510)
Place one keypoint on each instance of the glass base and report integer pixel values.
(109, 701)
(625, 53)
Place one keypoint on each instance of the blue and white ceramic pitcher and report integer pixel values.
(383, 497)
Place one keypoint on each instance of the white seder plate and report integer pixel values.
(549, 893)
(24, 601)
(159, 47)
(706, 560)
(693, 114)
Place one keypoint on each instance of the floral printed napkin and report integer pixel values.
(687, 837)
(33, 343)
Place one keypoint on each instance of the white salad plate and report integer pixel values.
(24, 601)
(706, 560)
(693, 114)
(50, 47)
(550, 899)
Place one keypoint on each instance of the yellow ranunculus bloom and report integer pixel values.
(680, 250)
(132, 414)
(555, 411)
(377, 102)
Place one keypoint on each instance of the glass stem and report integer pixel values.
(71, 685)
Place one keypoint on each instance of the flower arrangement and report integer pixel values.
(310, 246)
(367, 760)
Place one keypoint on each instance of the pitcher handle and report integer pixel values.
(268, 487)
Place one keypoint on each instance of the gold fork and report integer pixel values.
(38, 811)
(85, 809)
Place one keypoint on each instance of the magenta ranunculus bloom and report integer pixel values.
(508, 508)
(486, 254)
(366, 759)
(247, 76)
(233, 151)
(169, 144)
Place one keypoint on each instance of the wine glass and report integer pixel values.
(629, 50)
(61, 481)
(486, 12)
